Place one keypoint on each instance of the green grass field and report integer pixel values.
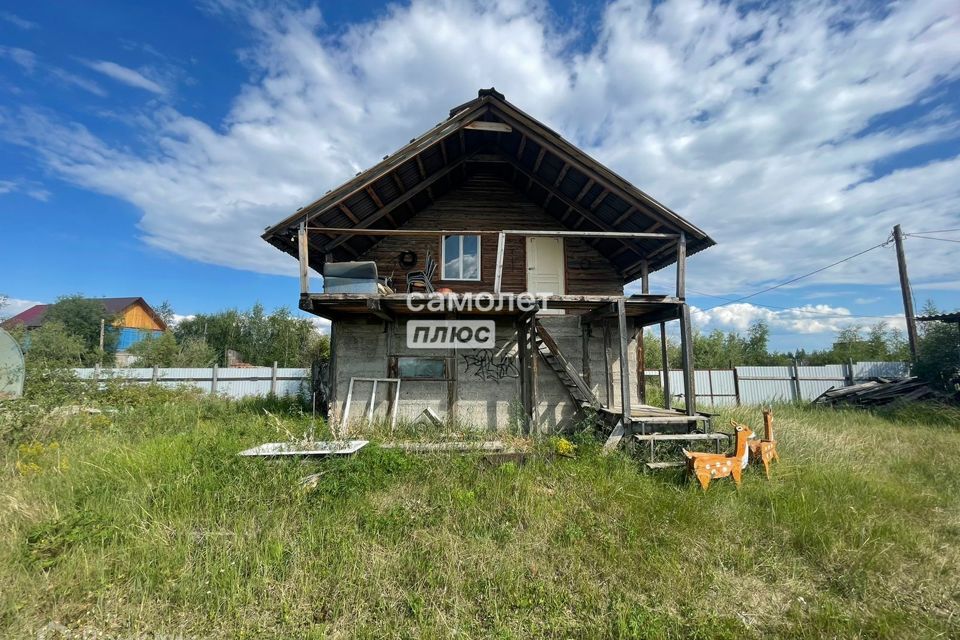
(146, 522)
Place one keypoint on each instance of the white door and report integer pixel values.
(545, 272)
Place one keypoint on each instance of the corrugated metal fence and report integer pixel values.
(763, 385)
(236, 382)
(715, 387)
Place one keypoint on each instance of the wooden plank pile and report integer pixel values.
(876, 392)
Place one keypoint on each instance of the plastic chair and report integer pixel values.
(424, 277)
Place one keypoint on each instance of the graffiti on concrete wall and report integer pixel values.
(492, 364)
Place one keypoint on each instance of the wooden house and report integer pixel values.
(132, 318)
(503, 206)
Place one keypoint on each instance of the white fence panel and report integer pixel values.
(763, 385)
(863, 370)
(235, 382)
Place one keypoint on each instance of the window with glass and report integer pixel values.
(461, 258)
(418, 368)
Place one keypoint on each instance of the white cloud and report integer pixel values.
(17, 21)
(13, 306)
(25, 59)
(29, 62)
(806, 319)
(749, 120)
(26, 187)
(125, 75)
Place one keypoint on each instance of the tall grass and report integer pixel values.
(156, 526)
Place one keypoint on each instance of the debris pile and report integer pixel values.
(877, 391)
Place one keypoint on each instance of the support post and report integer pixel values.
(686, 349)
(303, 253)
(641, 365)
(665, 366)
(624, 361)
(607, 364)
(905, 291)
(736, 386)
(585, 352)
(213, 378)
(273, 379)
(644, 277)
(498, 277)
(797, 394)
(526, 354)
(682, 266)
(155, 376)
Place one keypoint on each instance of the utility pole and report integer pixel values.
(905, 290)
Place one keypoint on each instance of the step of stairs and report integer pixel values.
(680, 436)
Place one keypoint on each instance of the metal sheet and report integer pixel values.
(11, 367)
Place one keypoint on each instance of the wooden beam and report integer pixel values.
(347, 212)
(592, 234)
(303, 254)
(423, 172)
(626, 214)
(665, 366)
(686, 351)
(584, 190)
(463, 143)
(599, 199)
(443, 151)
(373, 196)
(599, 313)
(498, 276)
(482, 125)
(562, 175)
(393, 204)
(523, 145)
(644, 277)
(624, 361)
(397, 181)
(682, 266)
(536, 165)
(373, 307)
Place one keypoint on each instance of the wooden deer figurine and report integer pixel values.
(707, 466)
(765, 450)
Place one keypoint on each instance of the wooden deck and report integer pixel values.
(338, 306)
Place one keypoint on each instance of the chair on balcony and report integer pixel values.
(423, 278)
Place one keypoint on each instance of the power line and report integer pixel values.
(935, 231)
(806, 275)
(914, 235)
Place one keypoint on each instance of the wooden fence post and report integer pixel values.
(797, 394)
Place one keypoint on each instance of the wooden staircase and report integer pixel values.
(574, 384)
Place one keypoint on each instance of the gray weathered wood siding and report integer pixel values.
(487, 202)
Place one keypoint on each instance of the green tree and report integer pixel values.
(258, 337)
(938, 351)
(81, 317)
(51, 345)
(165, 351)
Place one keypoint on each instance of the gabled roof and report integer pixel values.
(488, 131)
(33, 317)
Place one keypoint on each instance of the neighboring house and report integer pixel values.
(492, 202)
(133, 318)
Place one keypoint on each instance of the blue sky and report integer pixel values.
(146, 145)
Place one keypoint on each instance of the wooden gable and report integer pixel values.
(488, 200)
(487, 135)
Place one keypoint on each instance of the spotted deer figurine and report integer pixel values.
(707, 466)
(765, 450)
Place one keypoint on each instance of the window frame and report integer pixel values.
(443, 361)
(443, 258)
